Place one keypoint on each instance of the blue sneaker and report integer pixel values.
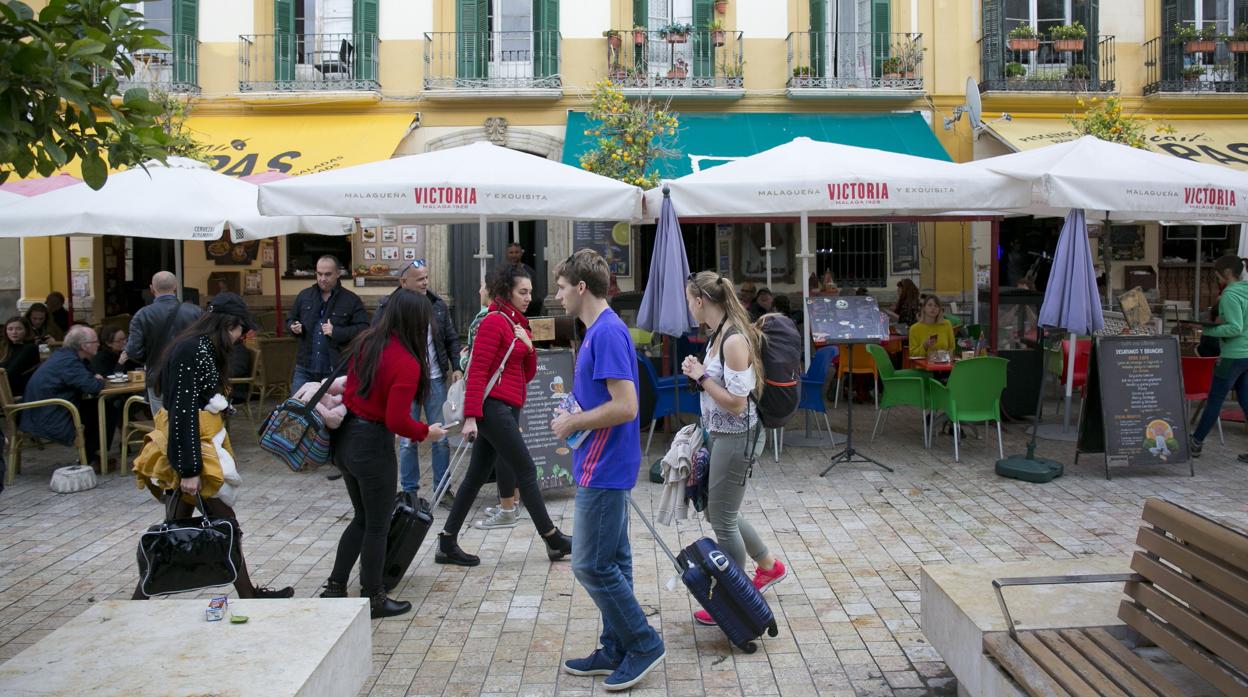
(596, 663)
(632, 669)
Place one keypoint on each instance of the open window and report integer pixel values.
(319, 41)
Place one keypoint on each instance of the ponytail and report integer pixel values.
(720, 291)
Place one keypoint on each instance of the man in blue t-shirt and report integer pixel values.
(605, 467)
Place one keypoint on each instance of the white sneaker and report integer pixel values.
(500, 518)
(491, 510)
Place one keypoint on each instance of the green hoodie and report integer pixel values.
(1233, 312)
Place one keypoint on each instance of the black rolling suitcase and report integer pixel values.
(410, 523)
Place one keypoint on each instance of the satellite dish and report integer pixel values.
(973, 106)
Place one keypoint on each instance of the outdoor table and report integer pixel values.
(923, 364)
(113, 389)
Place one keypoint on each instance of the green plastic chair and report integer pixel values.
(973, 394)
(901, 388)
(954, 320)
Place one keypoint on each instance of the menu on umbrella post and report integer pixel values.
(850, 318)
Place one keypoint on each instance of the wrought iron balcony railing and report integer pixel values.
(654, 60)
(500, 60)
(1195, 67)
(834, 60)
(1048, 65)
(175, 71)
(308, 62)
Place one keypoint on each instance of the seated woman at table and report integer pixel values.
(906, 309)
(41, 326)
(932, 332)
(111, 358)
(19, 356)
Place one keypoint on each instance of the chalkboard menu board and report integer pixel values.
(850, 318)
(550, 454)
(611, 240)
(1135, 412)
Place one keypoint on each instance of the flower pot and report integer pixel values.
(639, 37)
(892, 76)
(1068, 45)
(1237, 46)
(1201, 46)
(1023, 44)
(721, 7)
(717, 37)
(909, 74)
(677, 38)
(614, 42)
(677, 73)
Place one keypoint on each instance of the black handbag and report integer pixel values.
(188, 554)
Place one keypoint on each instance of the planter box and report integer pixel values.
(639, 38)
(677, 73)
(892, 76)
(677, 38)
(1200, 46)
(1023, 44)
(614, 42)
(1237, 46)
(721, 7)
(1068, 45)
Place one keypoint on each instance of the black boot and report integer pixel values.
(381, 606)
(333, 589)
(558, 545)
(450, 553)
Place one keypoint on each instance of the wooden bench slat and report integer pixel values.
(1054, 666)
(1099, 681)
(1209, 570)
(1218, 540)
(1107, 664)
(1029, 676)
(1223, 613)
(1178, 647)
(1211, 636)
(1138, 666)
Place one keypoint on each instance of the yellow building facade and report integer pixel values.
(298, 86)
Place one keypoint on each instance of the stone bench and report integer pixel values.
(288, 648)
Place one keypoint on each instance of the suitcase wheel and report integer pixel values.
(750, 647)
(772, 629)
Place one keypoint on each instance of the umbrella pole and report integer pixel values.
(1109, 277)
(277, 284)
(805, 232)
(1071, 351)
(1196, 301)
(481, 245)
(177, 266)
(69, 282)
(767, 250)
(994, 285)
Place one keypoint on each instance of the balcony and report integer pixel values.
(1048, 65)
(1175, 68)
(840, 65)
(308, 63)
(518, 64)
(702, 64)
(175, 71)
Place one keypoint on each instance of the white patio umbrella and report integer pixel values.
(473, 183)
(7, 198)
(183, 200)
(808, 178)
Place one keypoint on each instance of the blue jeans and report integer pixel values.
(303, 376)
(409, 456)
(1230, 372)
(602, 562)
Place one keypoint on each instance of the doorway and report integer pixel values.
(465, 279)
(129, 264)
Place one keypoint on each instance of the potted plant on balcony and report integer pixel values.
(733, 72)
(617, 73)
(721, 7)
(1078, 73)
(1237, 41)
(676, 33)
(909, 54)
(891, 68)
(1015, 71)
(1192, 75)
(1070, 37)
(679, 70)
(639, 35)
(613, 39)
(1203, 40)
(717, 32)
(1023, 38)
(803, 76)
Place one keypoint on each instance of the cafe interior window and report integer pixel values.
(1178, 243)
(302, 251)
(856, 254)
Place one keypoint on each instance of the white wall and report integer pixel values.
(584, 19)
(404, 20)
(223, 20)
(763, 19)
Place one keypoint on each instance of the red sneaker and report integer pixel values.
(704, 617)
(764, 579)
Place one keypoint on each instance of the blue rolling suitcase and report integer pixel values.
(722, 588)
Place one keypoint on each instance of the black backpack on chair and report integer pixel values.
(781, 354)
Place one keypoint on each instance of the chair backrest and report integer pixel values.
(647, 366)
(278, 355)
(6, 392)
(883, 364)
(974, 331)
(820, 363)
(954, 320)
(863, 363)
(1193, 599)
(976, 383)
(641, 337)
(1083, 352)
(1197, 374)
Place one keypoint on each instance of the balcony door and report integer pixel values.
(507, 43)
(663, 55)
(849, 41)
(1041, 16)
(510, 28)
(318, 41)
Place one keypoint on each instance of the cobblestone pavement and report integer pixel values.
(848, 614)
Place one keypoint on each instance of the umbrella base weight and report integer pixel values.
(848, 456)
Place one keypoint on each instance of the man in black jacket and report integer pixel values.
(154, 326)
(325, 318)
(443, 351)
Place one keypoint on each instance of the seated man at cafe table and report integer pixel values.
(65, 375)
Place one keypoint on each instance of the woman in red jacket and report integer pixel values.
(388, 369)
(503, 347)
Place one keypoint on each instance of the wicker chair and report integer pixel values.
(253, 384)
(18, 440)
(277, 366)
(130, 429)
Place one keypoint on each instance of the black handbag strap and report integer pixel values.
(175, 497)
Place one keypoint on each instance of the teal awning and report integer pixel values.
(712, 139)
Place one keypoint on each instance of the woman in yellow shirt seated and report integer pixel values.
(932, 332)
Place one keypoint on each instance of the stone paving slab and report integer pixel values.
(849, 613)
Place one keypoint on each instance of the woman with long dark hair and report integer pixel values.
(906, 309)
(19, 356)
(492, 411)
(41, 326)
(191, 377)
(389, 368)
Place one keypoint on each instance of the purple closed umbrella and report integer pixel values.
(1071, 302)
(663, 307)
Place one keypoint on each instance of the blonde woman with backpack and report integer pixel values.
(731, 380)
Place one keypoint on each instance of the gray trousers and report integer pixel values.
(730, 467)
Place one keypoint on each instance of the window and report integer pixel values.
(1202, 13)
(510, 25)
(302, 251)
(662, 54)
(857, 255)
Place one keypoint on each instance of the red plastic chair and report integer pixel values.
(1083, 353)
(1197, 379)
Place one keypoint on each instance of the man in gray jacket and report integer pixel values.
(154, 326)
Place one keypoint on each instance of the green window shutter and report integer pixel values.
(641, 18)
(364, 53)
(881, 40)
(993, 57)
(545, 38)
(185, 42)
(703, 47)
(284, 40)
(472, 39)
(1089, 12)
(819, 37)
(1240, 15)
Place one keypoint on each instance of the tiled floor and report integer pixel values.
(848, 614)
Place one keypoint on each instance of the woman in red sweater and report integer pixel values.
(504, 348)
(388, 369)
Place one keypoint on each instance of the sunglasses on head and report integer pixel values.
(418, 264)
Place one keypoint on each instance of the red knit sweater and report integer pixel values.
(494, 335)
(393, 390)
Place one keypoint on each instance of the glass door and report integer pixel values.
(849, 41)
(664, 56)
(1041, 16)
(511, 40)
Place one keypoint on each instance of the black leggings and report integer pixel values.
(364, 451)
(499, 440)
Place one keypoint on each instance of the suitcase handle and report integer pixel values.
(655, 533)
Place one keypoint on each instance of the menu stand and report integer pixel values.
(849, 454)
